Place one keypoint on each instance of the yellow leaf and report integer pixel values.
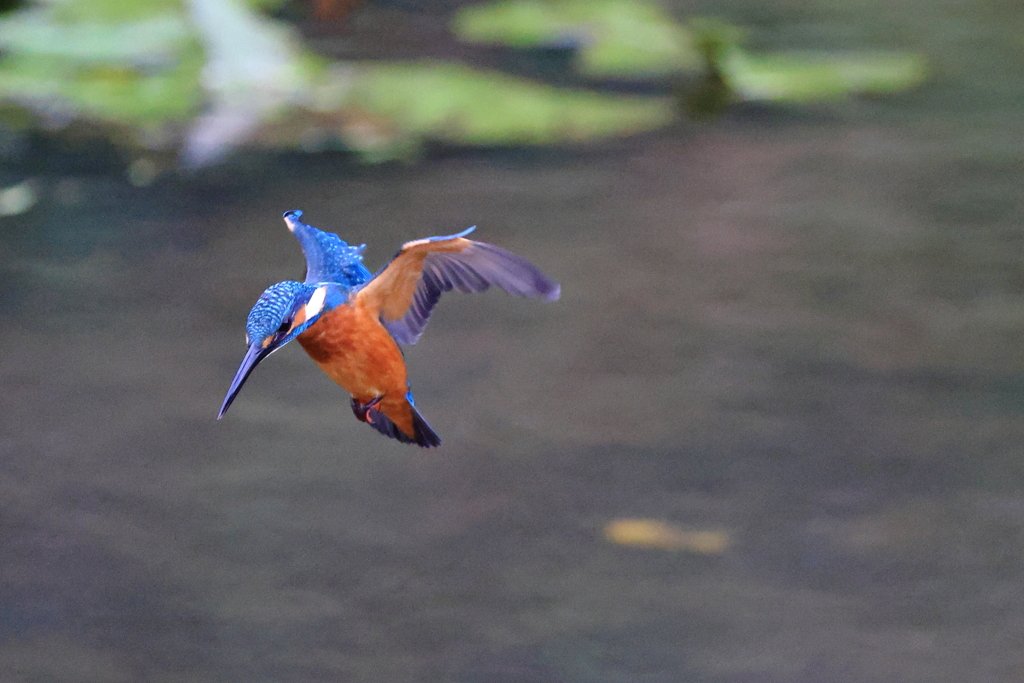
(650, 533)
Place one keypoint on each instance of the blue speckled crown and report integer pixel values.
(273, 308)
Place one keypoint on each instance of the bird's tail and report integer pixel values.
(398, 418)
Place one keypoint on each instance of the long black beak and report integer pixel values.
(253, 356)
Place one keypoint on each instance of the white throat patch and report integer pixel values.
(316, 302)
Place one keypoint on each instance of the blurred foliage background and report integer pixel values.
(195, 79)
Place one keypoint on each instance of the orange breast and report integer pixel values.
(354, 349)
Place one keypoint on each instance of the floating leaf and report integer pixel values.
(815, 76)
(650, 533)
(613, 38)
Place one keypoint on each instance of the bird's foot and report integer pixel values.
(361, 410)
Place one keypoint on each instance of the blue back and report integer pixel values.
(328, 257)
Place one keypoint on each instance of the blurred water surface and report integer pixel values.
(803, 328)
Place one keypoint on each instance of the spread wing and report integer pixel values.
(406, 290)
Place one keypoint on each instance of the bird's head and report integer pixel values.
(282, 313)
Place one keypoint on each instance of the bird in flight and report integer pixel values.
(351, 322)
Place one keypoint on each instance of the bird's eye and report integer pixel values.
(285, 326)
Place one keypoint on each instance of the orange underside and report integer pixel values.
(354, 349)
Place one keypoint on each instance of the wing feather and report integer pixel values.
(405, 292)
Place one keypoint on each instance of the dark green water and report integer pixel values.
(804, 328)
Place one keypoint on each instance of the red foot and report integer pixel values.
(362, 410)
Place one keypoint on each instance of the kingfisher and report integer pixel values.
(351, 322)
